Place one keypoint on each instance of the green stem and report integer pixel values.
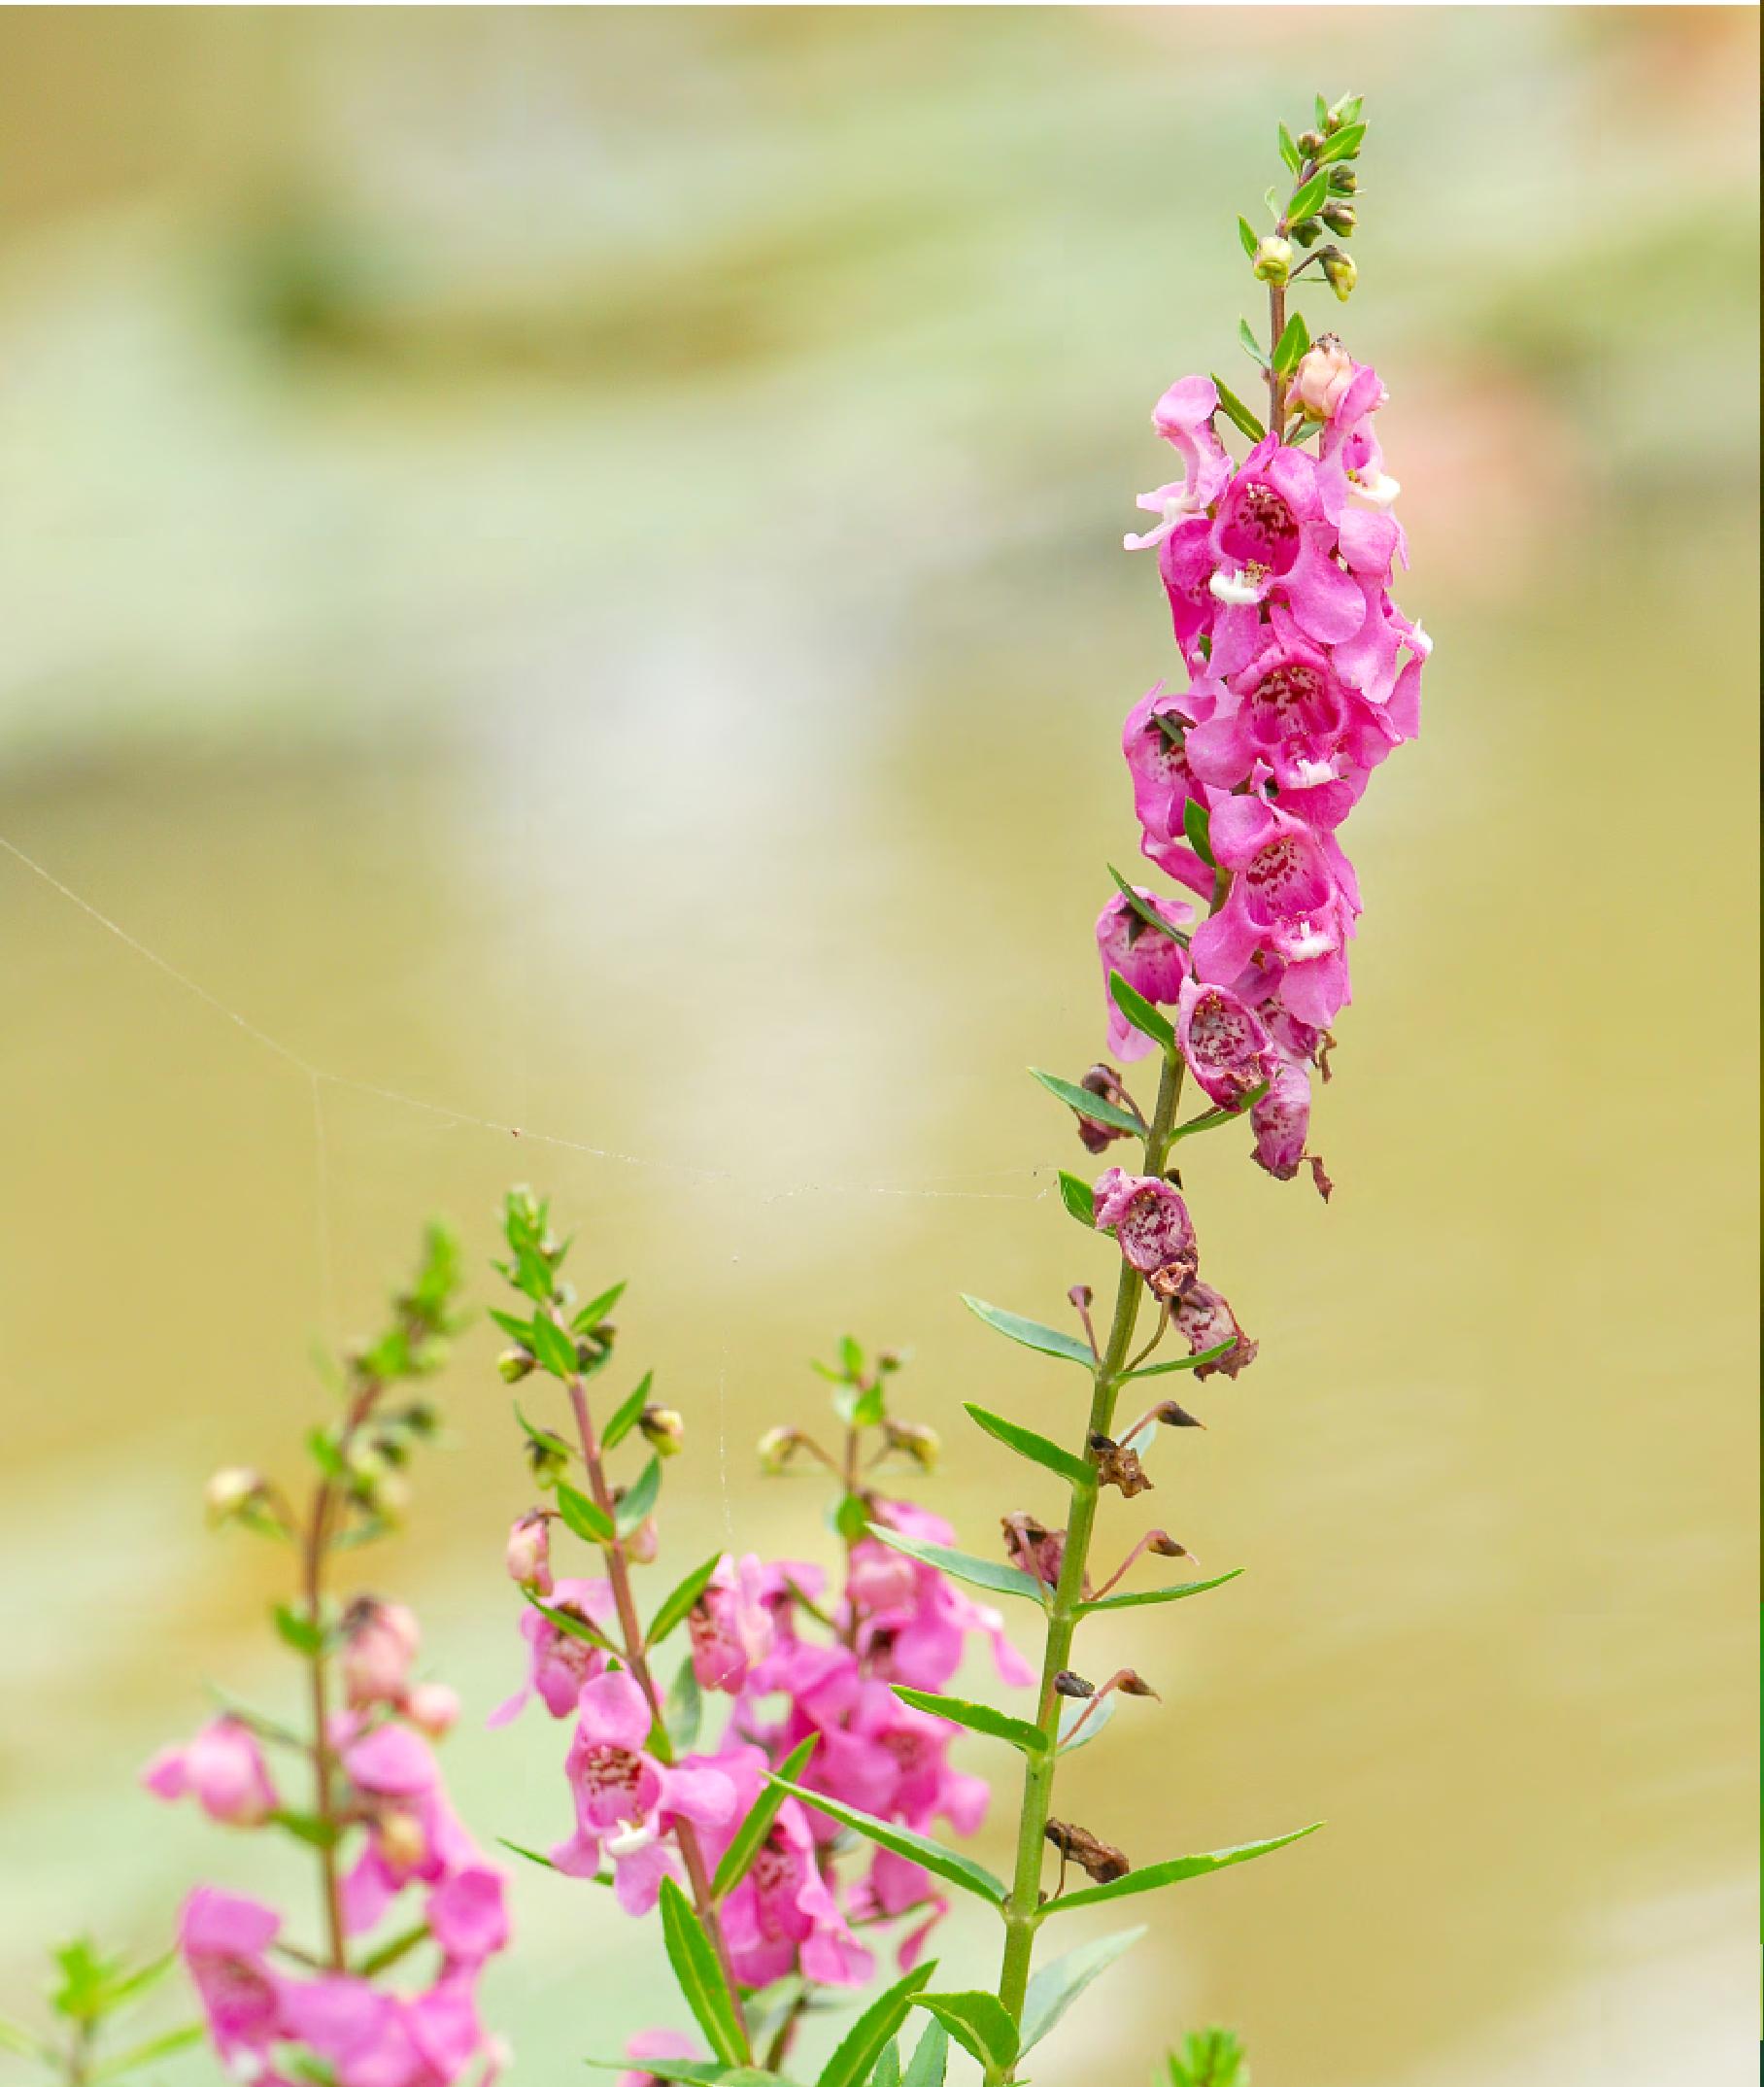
(1022, 1909)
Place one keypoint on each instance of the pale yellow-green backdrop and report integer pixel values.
(561, 569)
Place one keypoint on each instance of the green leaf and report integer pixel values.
(627, 1413)
(1074, 1470)
(1247, 334)
(639, 1501)
(1306, 202)
(1054, 1987)
(1342, 146)
(992, 1574)
(1289, 151)
(597, 1308)
(391, 1952)
(572, 1626)
(1150, 1595)
(144, 2054)
(1177, 1871)
(1140, 1012)
(531, 1855)
(871, 2034)
(887, 2073)
(1089, 1105)
(699, 1976)
(704, 2071)
(317, 1833)
(323, 1453)
(1292, 344)
(1031, 1333)
(851, 1356)
(1213, 1118)
(18, 2040)
(977, 1717)
(1246, 235)
(1271, 197)
(1210, 2058)
(750, 1834)
(678, 1605)
(1079, 1198)
(929, 2066)
(1197, 829)
(1182, 1362)
(547, 1438)
(961, 1871)
(1235, 411)
(553, 1348)
(850, 1518)
(979, 2023)
(683, 1712)
(582, 1517)
(1147, 912)
(306, 1637)
(1322, 109)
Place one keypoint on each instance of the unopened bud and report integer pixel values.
(514, 1363)
(1067, 1683)
(231, 1492)
(1339, 218)
(1324, 372)
(1274, 261)
(1130, 1683)
(663, 1429)
(433, 1708)
(776, 1448)
(1105, 1083)
(1341, 273)
(1170, 1415)
(1308, 232)
(889, 1359)
(1343, 180)
(921, 1443)
(1081, 1295)
(529, 1554)
(1165, 1546)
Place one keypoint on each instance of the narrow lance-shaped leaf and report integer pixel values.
(582, 1517)
(1158, 1875)
(1234, 408)
(640, 1500)
(627, 1413)
(1054, 1987)
(1036, 1447)
(699, 1976)
(1306, 202)
(1152, 1594)
(979, 2023)
(992, 1574)
(146, 2054)
(1197, 829)
(553, 1348)
(1292, 344)
(571, 1625)
(682, 1712)
(975, 1716)
(1246, 336)
(1246, 236)
(1342, 146)
(873, 2029)
(548, 1439)
(1183, 1362)
(678, 1605)
(960, 1871)
(751, 1834)
(1079, 1198)
(1140, 1011)
(1147, 912)
(593, 1312)
(1089, 1105)
(930, 2067)
(885, 2071)
(1289, 151)
(1031, 1333)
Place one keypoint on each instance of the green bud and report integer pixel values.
(1308, 233)
(921, 1443)
(1343, 180)
(1341, 273)
(776, 1447)
(1310, 142)
(514, 1363)
(1274, 261)
(230, 1492)
(663, 1429)
(1339, 218)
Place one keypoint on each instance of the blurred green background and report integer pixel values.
(563, 567)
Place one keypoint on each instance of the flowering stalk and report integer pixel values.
(376, 1787)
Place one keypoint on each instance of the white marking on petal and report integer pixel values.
(633, 1841)
(1235, 588)
(1379, 492)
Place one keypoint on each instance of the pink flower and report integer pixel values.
(656, 2043)
(380, 1641)
(1287, 708)
(782, 1916)
(468, 1914)
(558, 1664)
(1281, 1122)
(370, 2037)
(433, 1708)
(1349, 456)
(1155, 742)
(915, 1622)
(1151, 962)
(1151, 1225)
(1185, 564)
(1271, 540)
(1292, 896)
(730, 1625)
(1183, 417)
(1321, 379)
(413, 1835)
(1228, 1050)
(223, 1768)
(626, 1800)
(224, 1940)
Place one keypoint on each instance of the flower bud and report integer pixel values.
(1105, 1083)
(229, 1492)
(889, 1359)
(1169, 1415)
(1341, 273)
(529, 1554)
(548, 1456)
(1130, 1683)
(1343, 180)
(776, 1448)
(1339, 218)
(380, 1640)
(921, 1443)
(514, 1363)
(1308, 232)
(663, 1429)
(1164, 1545)
(1321, 378)
(1311, 142)
(433, 1708)
(1274, 261)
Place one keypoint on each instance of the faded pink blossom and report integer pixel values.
(381, 1639)
(1151, 1225)
(1228, 1050)
(1205, 1320)
(223, 1768)
(730, 1625)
